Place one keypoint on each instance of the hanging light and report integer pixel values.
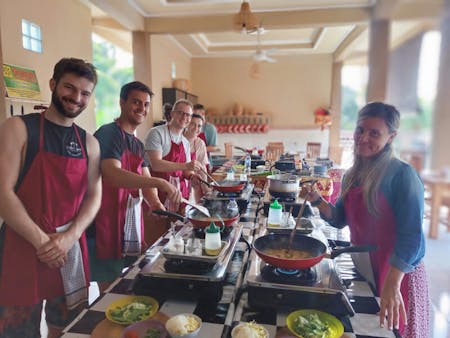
(245, 20)
(255, 71)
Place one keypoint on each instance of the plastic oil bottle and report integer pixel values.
(213, 243)
(275, 216)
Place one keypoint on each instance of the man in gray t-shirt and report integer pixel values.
(169, 151)
(159, 138)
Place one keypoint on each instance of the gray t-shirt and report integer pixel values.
(159, 138)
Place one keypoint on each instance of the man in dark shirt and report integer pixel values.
(119, 230)
(50, 191)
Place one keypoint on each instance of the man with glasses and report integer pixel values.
(169, 151)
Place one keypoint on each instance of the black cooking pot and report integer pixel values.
(285, 165)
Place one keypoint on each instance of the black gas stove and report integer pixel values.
(242, 198)
(187, 279)
(290, 204)
(318, 287)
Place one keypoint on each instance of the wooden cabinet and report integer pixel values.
(172, 94)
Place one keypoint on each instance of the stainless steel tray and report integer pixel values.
(202, 258)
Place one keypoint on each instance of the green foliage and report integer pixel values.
(349, 109)
(110, 79)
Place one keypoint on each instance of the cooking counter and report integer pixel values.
(218, 319)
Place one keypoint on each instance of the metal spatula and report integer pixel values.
(200, 208)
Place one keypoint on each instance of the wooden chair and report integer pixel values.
(313, 149)
(335, 154)
(415, 158)
(274, 150)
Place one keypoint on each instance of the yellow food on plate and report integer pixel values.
(249, 330)
(182, 324)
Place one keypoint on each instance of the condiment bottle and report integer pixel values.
(232, 208)
(213, 243)
(275, 216)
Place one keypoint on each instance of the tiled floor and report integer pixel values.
(437, 262)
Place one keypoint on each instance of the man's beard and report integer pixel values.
(57, 102)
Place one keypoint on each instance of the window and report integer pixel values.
(31, 36)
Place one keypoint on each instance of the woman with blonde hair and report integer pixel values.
(382, 202)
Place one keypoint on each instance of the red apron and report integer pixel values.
(366, 229)
(52, 192)
(203, 137)
(177, 155)
(110, 220)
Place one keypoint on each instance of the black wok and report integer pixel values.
(316, 250)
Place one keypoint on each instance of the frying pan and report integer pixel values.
(316, 249)
(199, 220)
(226, 186)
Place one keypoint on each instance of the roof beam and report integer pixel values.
(342, 51)
(270, 20)
(122, 12)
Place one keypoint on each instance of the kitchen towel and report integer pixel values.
(132, 227)
(72, 273)
(364, 266)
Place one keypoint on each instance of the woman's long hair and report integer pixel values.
(370, 172)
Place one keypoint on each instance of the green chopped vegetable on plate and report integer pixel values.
(310, 326)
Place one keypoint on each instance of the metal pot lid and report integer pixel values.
(284, 178)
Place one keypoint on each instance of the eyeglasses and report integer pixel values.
(188, 115)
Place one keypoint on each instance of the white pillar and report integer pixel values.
(441, 118)
(142, 62)
(378, 59)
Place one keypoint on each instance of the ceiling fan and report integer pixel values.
(245, 21)
(262, 55)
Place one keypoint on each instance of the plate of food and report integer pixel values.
(131, 309)
(250, 329)
(310, 323)
(149, 328)
(184, 325)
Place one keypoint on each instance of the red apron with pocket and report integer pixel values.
(176, 154)
(110, 220)
(52, 192)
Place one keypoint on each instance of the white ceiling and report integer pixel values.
(204, 28)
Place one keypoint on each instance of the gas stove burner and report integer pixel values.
(283, 199)
(187, 266)
(229, 194)
(224, 234)
(273, 274)
(283, 195)
(287, 272)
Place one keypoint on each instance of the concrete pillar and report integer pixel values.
(141, 44)
(441, 117)
(336, 98)
(378, 59)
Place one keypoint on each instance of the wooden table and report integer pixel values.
(438, 185)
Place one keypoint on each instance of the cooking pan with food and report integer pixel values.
(226, 185)
(304, 253)
(199, 220)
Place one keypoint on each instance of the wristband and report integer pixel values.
(317, 202)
